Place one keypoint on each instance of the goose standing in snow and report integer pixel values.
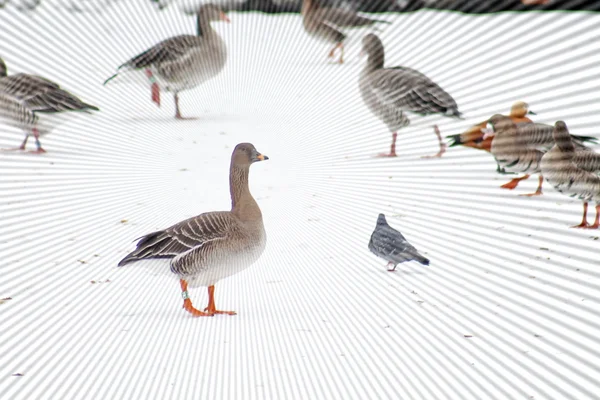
(573, 170)
(185, 61)
(392, 92)
(389, 244)
(35, 105)
(520, 147)
(214, 245)
(325, 24)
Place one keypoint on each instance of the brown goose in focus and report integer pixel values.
(214, 245)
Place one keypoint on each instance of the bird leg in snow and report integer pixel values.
(597, 220)
(154, 87)
(440, 141)
(332, 52)
(187, 303)
(538, 192)
(211, 304)
(36, 135)
(393, 269)
(514, 183)
(392, 152)
(21, 147)
(584, 224)
(177, 112)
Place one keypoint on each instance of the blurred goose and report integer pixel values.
(35, 105)
(325, 24)
(573, 170)
(182, 62)
(389, 244)
(214, 245)
(392, 92)
(520, 147)
(473, 137)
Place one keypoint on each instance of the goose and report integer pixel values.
(389, 244)
(520, 147)
(325, 24)
(35, 105)
(182, 62)
(214, 245)
(392, 92)
(574, 171)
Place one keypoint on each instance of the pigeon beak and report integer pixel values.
(225, 18)
(531, 112)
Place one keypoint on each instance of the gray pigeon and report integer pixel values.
(389, 244)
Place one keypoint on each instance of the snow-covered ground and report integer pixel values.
(508, 309)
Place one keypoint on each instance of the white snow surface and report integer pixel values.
(508, 309)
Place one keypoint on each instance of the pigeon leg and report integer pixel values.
(211, 304)
(392, 152)
(441, 143)
(393, 269)
(538, 192)
(514, 183)
(187, 303)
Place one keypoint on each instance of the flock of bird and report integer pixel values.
(209, 247)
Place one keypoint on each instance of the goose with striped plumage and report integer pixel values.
(214, 245)
(35, 104)
(182, 62)
(574, 171)
(326, 23)
(390, 93)
(520, 147)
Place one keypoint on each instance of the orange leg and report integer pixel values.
(177, 112)
(36, 135)
(211, 304)
(332, 52)
(187, 303)
(538, 192)
(584, 224)
(597, 220)
(514, 183)
(440, 141)
(154, 87)
(392, 152)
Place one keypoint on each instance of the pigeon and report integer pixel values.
(389, 244)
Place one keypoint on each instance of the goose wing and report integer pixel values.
(410, 90)
(195, 232)
(168, 50)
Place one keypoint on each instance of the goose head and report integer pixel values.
(245, 154)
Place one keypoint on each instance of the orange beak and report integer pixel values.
(225, 18)
(262, 157)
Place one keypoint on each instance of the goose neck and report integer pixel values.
(242, 202)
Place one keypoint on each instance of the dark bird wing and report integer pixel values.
(23, 86)
(182, 237)
(389, 244)
(56, 100)
(410, 90)
(168, 50)
(345, 18)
